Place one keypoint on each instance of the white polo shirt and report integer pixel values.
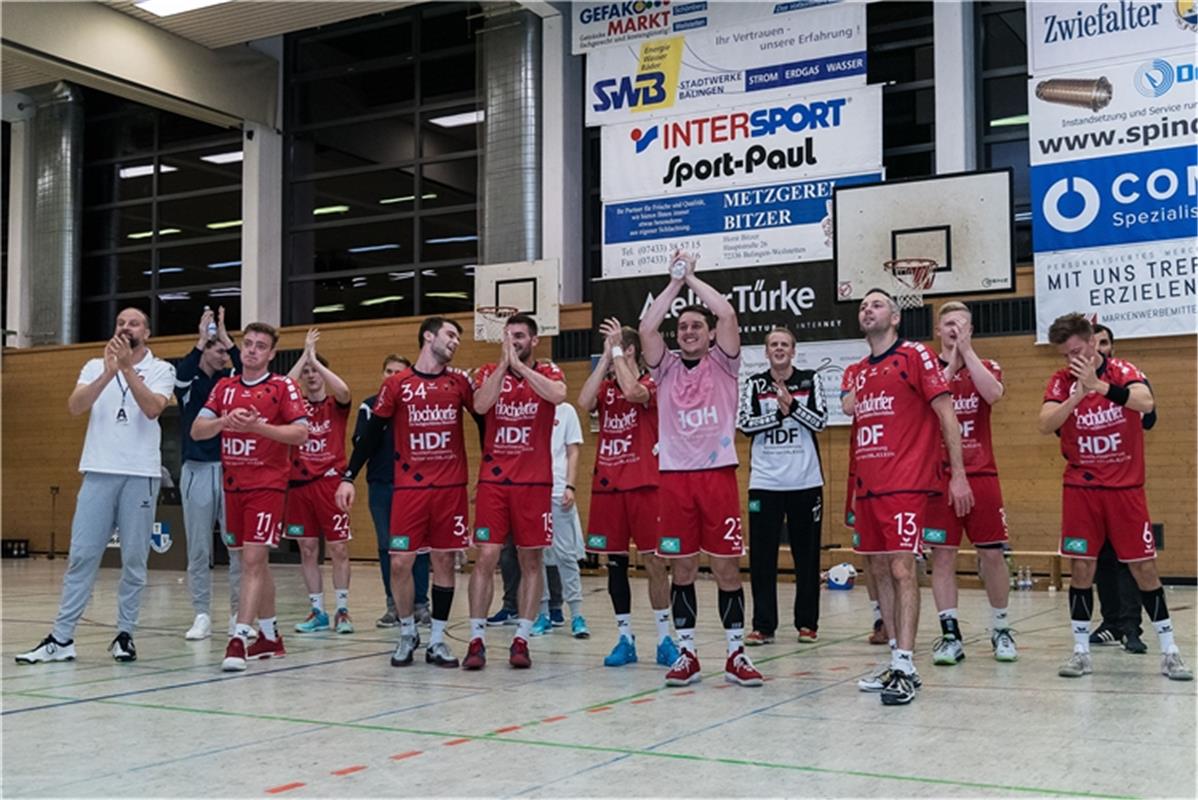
(566, 430)
(131, 447)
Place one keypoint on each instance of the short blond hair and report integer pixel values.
(951, 306)
(780, 329)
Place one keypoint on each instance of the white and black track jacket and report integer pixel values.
(785, 456)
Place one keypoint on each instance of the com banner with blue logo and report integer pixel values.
(737, 227)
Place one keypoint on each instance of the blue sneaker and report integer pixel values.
(667, 652)
(556, 617)
(505, 616)
(316, 621)
(542, 625)
(579, 629)
(623, 653)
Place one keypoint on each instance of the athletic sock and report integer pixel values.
(317, 601)
(624, 625)
(732, 614)
(617, 583)
(1081, 608)
(267, 628)
(524, 628)
(1158, 612)
(442, 602)
(948, 623)
(575, 608)
(1164, 631)
(686, 639)
(683, 602)
(877, 609)
(893, 644)
(243, 631)
(999, 620)
(478, 628)
(407, 625)
(661, 617)
(342, 599)
(903, 661)
(438, 633)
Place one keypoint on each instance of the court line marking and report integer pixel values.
(286, 787)
(348, 770)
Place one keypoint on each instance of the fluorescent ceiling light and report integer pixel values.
(164, 270)
(429, 272)
(220, 226)
(401, 276)
(168, 8)
(224, 264)
(386, 201)
(175, 296)
(458, 120)
(148, 234)
(328, 309)
(225, 291)
(142, 170)
(224, 158)
(1021, 119)
(378, 301)
(447, 295)
(451, 240)
(370, 248)
(316, 212)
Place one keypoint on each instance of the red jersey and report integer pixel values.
(426, 413)
(323, 455)
(898, 434)
(519, 430)
(250, 461)
(626, 457)
(973, 413)
(1102, 442)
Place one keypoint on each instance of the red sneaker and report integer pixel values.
(519, 657)
(757, 638)
(476, 655)
(685, 669)
(807, 635)
(267, 648)
(739, 669)
(234, 656)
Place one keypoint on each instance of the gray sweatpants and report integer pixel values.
(564, 554)
(106, 501)
(203, 506)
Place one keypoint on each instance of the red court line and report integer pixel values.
(553, 719)
(286, 787)
(598, 709)
(455, 742)
(801, 674)
(507, 729)
(349, 770)
(837, 669)
(409, 754)
(724, 686)
(684, 691)
(643, 700)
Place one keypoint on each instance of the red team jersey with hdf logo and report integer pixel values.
(1102, 442)
(626, 456)
(898, 434)
(323, 454)
(973, 414)
(250, 461)
(519, 430)
(426, 413)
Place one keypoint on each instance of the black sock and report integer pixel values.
(442, 601)
(617, 583)
(1154, 604)
(949, 627)
(683, 601)
(1081, 604)
(732, 609)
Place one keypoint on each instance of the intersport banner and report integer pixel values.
(820, 49)
(1062, 35)
(744, 145)
(599, 25)
(1109, 109)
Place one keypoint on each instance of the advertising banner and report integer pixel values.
(599, 25)
(770, 141)
(821, 49)
(1061, 35)
(1110, 109)
(758, 226)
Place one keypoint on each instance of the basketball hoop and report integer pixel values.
(489, 322)
(910, 278)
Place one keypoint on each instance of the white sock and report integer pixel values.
(523, 628)
(342, 599)
(1081, 636)
(661, 616)
(243, 631)
(736, 639)
(948, 613)
(317, 601)
(266, 627)
(438, 634)
(902, 661)
(893, 644)
(877, 609)
(686, 639)
(624, 625)
(1164, 630)
(407, 626)
(999, 619)
(478, 628)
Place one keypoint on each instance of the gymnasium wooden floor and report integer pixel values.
(335, 719)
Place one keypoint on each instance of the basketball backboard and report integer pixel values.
(963, 221)
(529, 287)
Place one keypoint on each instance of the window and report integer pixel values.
(5, 146)
(1002, 112)
(161, 217)
(381, 193)
(900, 55)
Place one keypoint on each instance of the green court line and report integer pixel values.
(613, 750)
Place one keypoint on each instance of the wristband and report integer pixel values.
(1118, 395)
(571, 488)
(617, 352)
(347, 477)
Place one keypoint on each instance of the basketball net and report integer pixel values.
(489, 322)
(910, 278)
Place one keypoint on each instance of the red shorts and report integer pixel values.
(1091, 516)
(850, 489)
(700, 511)
(523, 511)
(892, 523)
(618, 518)
(429, 519)
(254, 517)
(312, 511)
(985, 524)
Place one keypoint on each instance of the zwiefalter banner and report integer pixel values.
(1061, 35)
(770, 141)
(818, 50)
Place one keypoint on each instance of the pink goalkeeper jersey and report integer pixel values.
(697, 411)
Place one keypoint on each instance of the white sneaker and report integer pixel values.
(947, 650)
(1173, 668)
(49, 650)
(200, 629)
(876, 681)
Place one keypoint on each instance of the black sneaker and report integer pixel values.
(1104, 635)
(899, 690)
(122, 648)
(1132, 643)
